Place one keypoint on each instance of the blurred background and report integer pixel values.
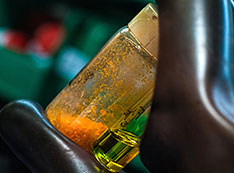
(44, 44)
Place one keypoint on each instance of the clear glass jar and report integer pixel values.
(114, 88)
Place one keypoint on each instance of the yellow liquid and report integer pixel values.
(115, 149)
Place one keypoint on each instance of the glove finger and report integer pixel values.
(38, 144)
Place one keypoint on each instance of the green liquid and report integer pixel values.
(115, 149)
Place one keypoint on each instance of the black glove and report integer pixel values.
(190, 128)
(38, 144)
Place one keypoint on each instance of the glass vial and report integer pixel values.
(114, 87)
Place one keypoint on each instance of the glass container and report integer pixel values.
(113, 89)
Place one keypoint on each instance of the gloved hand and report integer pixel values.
(39, 145)
(190, 128)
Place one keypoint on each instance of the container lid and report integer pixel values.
(144, 27)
